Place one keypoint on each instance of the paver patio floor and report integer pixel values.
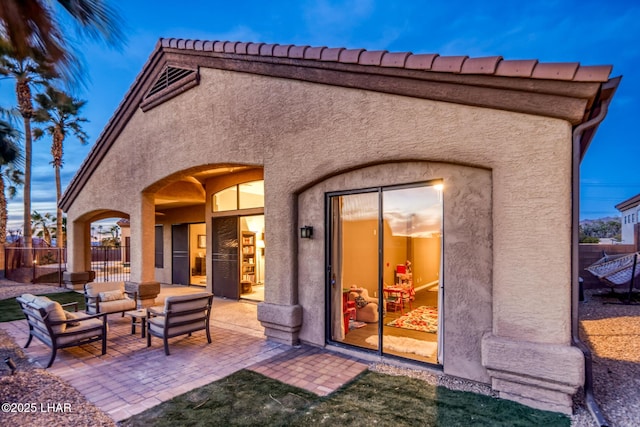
(131, 377)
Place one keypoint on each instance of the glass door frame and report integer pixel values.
(328, 267)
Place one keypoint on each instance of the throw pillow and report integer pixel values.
(111, 295)
(71, 316)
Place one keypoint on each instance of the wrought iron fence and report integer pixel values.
(110, 263)
(46, 265)
(35, 265)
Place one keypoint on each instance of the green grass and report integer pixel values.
(246, 398)
(10, 309)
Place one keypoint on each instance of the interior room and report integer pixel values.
(198, 254)
(410, 264)
(252, 250)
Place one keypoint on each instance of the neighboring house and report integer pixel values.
(288, 174)
(629, 209)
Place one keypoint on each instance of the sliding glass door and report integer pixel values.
(384, 254)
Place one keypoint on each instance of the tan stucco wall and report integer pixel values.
(302, 133)
(467, 253)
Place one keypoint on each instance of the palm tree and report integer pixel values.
(10, 176)
(59, 112)
(27, 72)
(33, 28)
(42, 223)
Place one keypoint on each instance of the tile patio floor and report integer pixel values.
(131, 377)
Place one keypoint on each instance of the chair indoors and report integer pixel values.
(366, 306)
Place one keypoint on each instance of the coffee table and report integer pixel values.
(141, 315)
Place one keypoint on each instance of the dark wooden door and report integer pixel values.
(226, 273)
(180, 254)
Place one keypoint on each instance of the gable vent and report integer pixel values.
(171, 82)
(169, 76)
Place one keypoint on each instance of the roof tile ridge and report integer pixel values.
(555, 70)
(458, 64)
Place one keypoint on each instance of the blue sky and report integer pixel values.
(589, 32)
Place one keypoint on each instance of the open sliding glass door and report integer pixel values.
(384, 254)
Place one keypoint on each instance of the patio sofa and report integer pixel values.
(108, 297)
(57, 328)
(181, 314)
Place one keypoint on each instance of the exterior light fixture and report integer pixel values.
(306, 232)
(11, 364)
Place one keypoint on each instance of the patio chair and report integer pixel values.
(108, 297)
(58, 328)
(182, 314)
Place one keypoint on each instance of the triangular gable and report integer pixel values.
(171, 82)
(568, 91)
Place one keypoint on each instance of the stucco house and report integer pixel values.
(629, 210)
(392, 204)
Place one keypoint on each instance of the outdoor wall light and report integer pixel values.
(306, 232)
(11, 364)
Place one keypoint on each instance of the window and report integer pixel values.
(226, 200)
(247, 195)
(159, 250)
(251, 195)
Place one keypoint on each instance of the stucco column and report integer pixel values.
(143, 220)
(280, 314)
(78, 255)
(528, 354)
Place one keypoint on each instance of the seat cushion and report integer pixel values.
(90, 328)
(113, 306)
(156, 325)
(93, 289)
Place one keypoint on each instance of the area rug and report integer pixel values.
(423, 319)
(405, 345)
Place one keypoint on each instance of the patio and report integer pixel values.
(131, 377)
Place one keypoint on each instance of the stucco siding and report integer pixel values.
(303, 133)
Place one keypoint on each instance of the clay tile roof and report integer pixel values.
(313, 52)
(371, 57)
(492, 65)
(282, 50)
(230, 47)
(555, 71)
(422, 61)
(518, 68)
(593, 73)
(486, 65)
(394, 59)
(331, 54)
(297, 52)
(218, 47)
(350, 56)
(367, 61)
(241, 48)
(267, 49)
(254, 48)
(450, 64)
